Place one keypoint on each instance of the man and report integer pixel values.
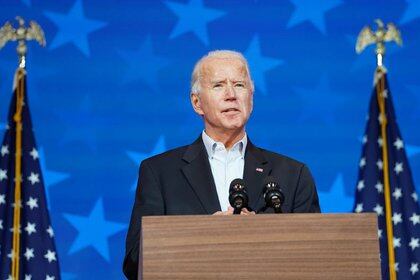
(195, 179)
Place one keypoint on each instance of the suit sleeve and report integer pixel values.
(148, 202)
(306, 196)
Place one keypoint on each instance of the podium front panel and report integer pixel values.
(285, 246)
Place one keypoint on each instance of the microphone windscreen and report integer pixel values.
(237, 182)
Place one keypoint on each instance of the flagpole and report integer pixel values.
(21, 34)
(380, 86)
(379, 37)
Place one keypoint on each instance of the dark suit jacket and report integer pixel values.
(180, 182)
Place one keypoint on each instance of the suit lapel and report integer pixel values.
(199, 176)
(255, 170)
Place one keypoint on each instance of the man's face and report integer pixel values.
(226, 99)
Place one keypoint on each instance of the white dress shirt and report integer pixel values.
(226, 165)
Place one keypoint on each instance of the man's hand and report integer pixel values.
(230, 212)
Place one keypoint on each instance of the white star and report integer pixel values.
(414, 196)
(414, 243)
(379, 210)
(365, 139)
(28, 277)
(3, 174)
(11, 255)
(414, 268)
(396, 267)
(359, 208)
(29, 253)
(34, 154)
(9, 278)
(1, 224)
(17, 204)
(4, 150)
(380, 142)
(384, 93)
(2, 199)
(12, 229)
(398, 167)
(379, 187)
(379, 233)
(20, 178)
(49, 277)
(32, 203)
(397, 193)
(397, 242)
(34, 178)
(50, 256)
(380, 164)
(30, 228)
(415, 219)
(381, 118)
(396, 218)
(398, 144)
(50, 231)
(360, 185)
(362, 162)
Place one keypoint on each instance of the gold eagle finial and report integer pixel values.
(379, 37)
(21, 34)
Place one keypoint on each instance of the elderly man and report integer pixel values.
(195, 179)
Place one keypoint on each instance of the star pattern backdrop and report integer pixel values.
(112, 88)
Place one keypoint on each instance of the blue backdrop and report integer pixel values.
(112, 88)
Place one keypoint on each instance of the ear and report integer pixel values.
(196, 103)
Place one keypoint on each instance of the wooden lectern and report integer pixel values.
(272, 246)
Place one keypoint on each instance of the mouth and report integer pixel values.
(230, 110)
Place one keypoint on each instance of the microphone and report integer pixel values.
(238, 196)
(273, 195)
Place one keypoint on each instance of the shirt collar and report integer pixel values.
(211, 145)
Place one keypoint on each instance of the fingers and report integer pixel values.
(246, 212)
(230, 212)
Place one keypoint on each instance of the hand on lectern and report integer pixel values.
(230, 212)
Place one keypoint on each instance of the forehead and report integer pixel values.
(224, 68)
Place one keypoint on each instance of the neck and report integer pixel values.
(227, 137)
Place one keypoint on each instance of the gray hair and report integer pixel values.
(223, 54)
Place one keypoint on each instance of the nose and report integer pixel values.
(230, 92)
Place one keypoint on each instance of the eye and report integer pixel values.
(217, 85)
(240, 85)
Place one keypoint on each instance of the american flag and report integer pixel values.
(385, 186)
(37, 255)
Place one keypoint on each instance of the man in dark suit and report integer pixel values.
(195, 179)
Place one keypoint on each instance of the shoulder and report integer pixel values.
(167, 157)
